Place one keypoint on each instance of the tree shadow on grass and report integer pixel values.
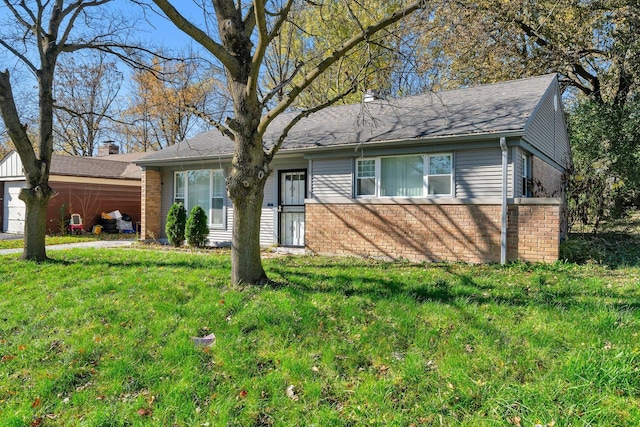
(611, 249)
(199, 261)
(452, 286)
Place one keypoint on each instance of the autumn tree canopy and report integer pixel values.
(165, 99)
(594, 45)
(384, 63)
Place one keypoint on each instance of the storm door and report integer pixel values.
(291, 195)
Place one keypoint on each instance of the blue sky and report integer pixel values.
(159, 30)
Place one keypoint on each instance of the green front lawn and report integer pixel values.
(102, 337)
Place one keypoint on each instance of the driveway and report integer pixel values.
(91, 244)
(10, 236)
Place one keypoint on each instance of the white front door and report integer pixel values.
(14, 208)
(292, 192)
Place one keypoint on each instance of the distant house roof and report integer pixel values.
(500, 108)
(117, 166)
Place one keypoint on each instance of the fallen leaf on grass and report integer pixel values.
(144, 412)
(36, 403)
(243, 393)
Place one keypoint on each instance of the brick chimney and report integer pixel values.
(107, 149)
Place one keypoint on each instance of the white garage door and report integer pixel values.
(15, 209)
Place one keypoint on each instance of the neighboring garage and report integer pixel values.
(87, 186)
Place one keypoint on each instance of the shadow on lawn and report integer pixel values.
(532, 288)
(611, 249)
(143, 262)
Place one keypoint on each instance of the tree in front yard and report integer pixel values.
(246, 31)
(35, 35)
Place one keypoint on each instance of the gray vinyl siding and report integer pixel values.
(547, 128)
(517, 171)
(478, 173)
(331, 178)
(267, 218)
(222, 236)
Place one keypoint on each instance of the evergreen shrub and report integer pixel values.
(176, 222)
(197, 228)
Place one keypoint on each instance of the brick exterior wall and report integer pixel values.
(533, 233)
(151, 204)
(432, 232)
(547, 180)
(550, 182)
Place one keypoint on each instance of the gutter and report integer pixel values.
(503, 230)
(311, 151)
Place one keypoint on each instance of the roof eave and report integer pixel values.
(443, 139)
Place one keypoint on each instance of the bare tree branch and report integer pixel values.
(332, 58)
(204, 116)
(197, 34)
(16, 130)
(283, 135)
(20, 56)
(281, 85)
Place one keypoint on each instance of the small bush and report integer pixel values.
(197, 228)
(176, 221)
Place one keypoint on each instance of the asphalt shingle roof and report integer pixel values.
(113, 166)
(495, 108)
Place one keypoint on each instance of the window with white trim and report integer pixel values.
(204, 188)
(366, 178)
(405, 176)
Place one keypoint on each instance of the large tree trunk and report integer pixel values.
(245, 185)
(35, 227)
(246, 263)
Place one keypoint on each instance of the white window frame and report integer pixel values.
(425, 189)
(376, 179)
(185, 197)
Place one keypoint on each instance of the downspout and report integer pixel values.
(505, 184)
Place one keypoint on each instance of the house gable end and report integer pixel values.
(546, 129)
(11, 167)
